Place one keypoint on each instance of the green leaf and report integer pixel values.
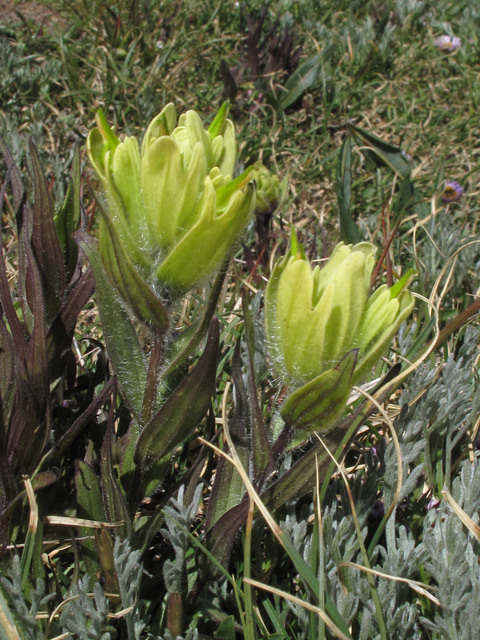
(301, 478)
(304, 77)
(184, 409)
(217, 123)
(67, 220)
(123, 345)
(382, 153)
(89, 507)
(226, 630)
(8, 630)
(261, 450)
(228, 488)
(320, 402)
(191, 337)
(113, 498)
(408, 197)
(348, 229)
(128, 282)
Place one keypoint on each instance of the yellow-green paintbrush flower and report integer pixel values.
(173, 202)
(314, 317)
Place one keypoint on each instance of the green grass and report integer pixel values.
(387, 78)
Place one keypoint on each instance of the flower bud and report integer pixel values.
(173, 202)
(314, 317)
(268, 189)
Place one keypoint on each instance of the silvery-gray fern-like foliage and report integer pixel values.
(23, 614)
(180, 518)
(453, 554)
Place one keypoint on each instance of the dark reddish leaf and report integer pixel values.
(60, 334)
(19, 332)
(45, 242)
(184, 409)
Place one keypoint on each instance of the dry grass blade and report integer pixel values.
(306, 605)
(465, 518)
(80, 522)
(413, 584)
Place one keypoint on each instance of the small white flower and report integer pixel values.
(449, 44)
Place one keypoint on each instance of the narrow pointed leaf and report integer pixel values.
(304, 77)
(67, 220)
(15, 179)
(19, 332)
(301, 478)
(60, 334)
(128, 282)
(261, 449)
(89, 507)
(319, 403)
(80, 423)
(123, 345)
(381, 152)
(215, 128)
(113, 498)
(45, 240)
(184, 409)
(19, 204)
(191, 338)
(348, 229)
(228, 488)
(7, 365)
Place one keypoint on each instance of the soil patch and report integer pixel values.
(12, 12)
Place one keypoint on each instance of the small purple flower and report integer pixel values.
(378, 510)
(449, 44)
(452, 192)
(433, 504)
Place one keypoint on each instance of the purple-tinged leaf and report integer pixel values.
(45, 242)
(36, 355)
(184, 409)
(261, 449)
(80, 423)
(19, 332)
(349, 232)
(8, 491)
(7, 368)
(318, 404)
(30, 427)
(60, 334)
(15, 178)
(21, 207)
(228, 489)
(302, 477)
(113, 498)
(220, 539)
